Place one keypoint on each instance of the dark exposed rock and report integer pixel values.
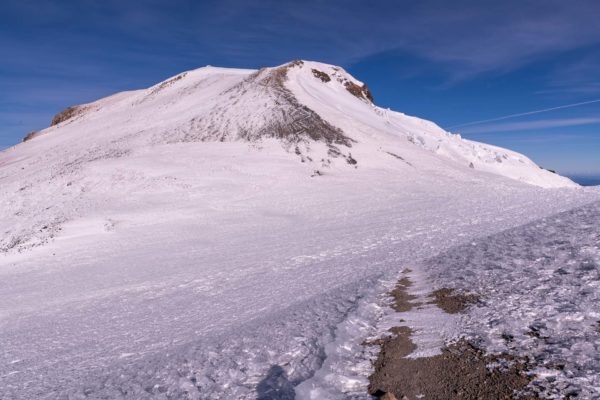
(453, 302)
(30, 135)
(460, 372)
(350, 160)
(362, 92)
(67, 114)
(396, 156)
(321, 75)
(549, 170)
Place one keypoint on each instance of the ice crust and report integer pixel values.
(540, 286)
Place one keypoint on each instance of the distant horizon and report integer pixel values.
(451, 65)
(583, 180)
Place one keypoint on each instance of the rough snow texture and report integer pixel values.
(177, 242)
(540, 286)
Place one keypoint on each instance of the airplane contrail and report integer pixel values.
(525, 113)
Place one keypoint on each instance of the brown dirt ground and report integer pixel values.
(403, 301)
(453, 302)
(460, 372)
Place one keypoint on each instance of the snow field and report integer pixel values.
(143, 258)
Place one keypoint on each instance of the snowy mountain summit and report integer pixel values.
(316, 111)
(311, 118)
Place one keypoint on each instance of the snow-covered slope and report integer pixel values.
(375, 128)
(316, 116)
(304, 104)
(187, 240)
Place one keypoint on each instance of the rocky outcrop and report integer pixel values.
(321, 75)
(67, 113)
(30, 135)
(362, 92)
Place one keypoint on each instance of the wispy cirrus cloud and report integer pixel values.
(467, 38)
(576, 75)
(527, 113)
(531, 125)
(470, 37)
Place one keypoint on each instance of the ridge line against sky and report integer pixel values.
(465, 61)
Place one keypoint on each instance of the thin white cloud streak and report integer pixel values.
(543, 138)
(469, 37)
(524, 114)
(531, 125)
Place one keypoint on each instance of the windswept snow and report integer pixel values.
(203, 295)
(182, 242)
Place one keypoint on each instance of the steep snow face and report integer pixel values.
(376, 128)
(208, 104)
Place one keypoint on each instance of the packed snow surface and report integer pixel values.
(232, 234)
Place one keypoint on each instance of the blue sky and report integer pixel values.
(451, 62)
